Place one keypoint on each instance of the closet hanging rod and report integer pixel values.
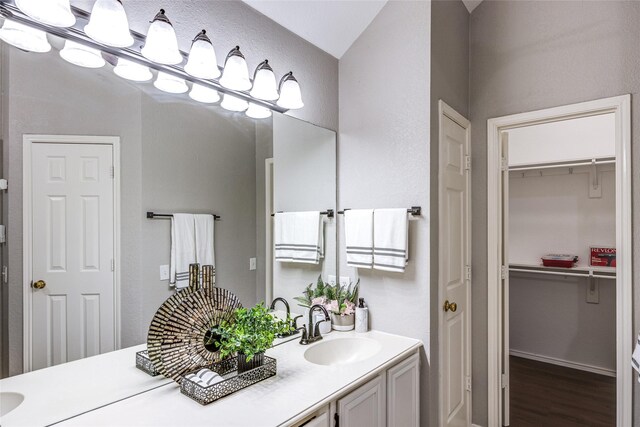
(329, 213)
(561, 273)
(597, 162)
(413, 210)
(153, 215)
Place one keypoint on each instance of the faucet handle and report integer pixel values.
(294, 322)
(303, 339)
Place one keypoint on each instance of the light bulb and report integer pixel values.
(204, 94)
(81, 55)
(235, 75)
(56, 13)
(232, 103)
(108, 24)
(290, 96)
(132, 71)
(256, 111)
(170, 83)
(264, 82)
(161, 45)
(24, 37)
(202, 61)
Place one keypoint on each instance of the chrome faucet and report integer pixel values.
(313, 334)
(293, 326)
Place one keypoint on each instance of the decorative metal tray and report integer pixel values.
(144, 363)
(233, 381)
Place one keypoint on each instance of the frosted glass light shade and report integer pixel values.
(290, 95)
(204, 94)
(256, 111)
(231, 103)
(56, 13)
(108, 24)
(161, 45)
(169, 83)
(81, 55)
(264, 83)
(131, 71)
(23, 37)
(235, 75)
(202, 61)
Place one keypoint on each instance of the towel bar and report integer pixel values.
(413, 210)
(153, 215)
(329, 213)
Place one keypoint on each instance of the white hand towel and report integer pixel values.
(390, 239)
(183, 249)
(204, 231)
(358, 233)
(635, 359)
(297, 237)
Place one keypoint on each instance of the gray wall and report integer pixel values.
(450, 83)
(526, 56)
(383, 159)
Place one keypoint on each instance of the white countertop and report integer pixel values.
(299, 387)
(63, 391)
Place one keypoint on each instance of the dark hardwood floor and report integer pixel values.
(545, 395)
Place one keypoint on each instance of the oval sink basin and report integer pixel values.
(342, 351)
(9, 402)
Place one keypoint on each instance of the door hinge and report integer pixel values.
(467, 269)
(467, 163)
(468, 381)
(503, 272)
(113, 265)
(5, 274)
(336, 420)
(503, 381)
(504, 164)
(113, 171)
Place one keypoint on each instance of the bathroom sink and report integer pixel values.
(342, 351)
(9, 402)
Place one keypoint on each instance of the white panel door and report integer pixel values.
(72, 252)
(364, 407)
(455, 269)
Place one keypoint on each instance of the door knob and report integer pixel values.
(40, 284)
(450, 306)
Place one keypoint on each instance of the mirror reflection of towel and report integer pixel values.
(204, 231)
(298, 237)
(183, 249)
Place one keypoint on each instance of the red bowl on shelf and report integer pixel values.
(559, 260)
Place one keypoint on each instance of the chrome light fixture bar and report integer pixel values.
(132, 54)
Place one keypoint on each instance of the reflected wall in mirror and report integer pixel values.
(175, 155)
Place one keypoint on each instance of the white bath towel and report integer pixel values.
(298, 237)
(183, 249)
(204, 231)
(635, 359)
(358, 236)
(390, 239)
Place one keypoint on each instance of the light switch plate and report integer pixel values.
(331, 279)
(252, 264)
(164, 272)
(344, 280)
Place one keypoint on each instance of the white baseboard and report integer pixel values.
(565, 363)
(475, 425)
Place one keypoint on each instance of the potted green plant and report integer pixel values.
(249, 334)
(339, 300)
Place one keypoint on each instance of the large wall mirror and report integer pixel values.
(172, 155)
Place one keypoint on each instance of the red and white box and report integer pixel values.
(559, 260)
(602, 256)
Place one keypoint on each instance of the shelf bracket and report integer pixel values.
(593, 289)
(595, 186)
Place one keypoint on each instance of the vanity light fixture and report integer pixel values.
(23, 37)
(255, 111)
(56, 13)
(204, 94)
(170, 83)
(232, 103)
(235, 75)
(81, 55)
(132, 71)
(108, 24)
(202, 62)
(161, 45)
(290, 95)
(264, 82)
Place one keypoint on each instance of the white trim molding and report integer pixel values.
(621, 107)
(564, 363)
(27, 238)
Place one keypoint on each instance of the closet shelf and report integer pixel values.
(578, 271)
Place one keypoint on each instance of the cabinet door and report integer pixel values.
(365, 406)
(319, 419)
(403, 393)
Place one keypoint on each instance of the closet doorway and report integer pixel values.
(540, 185)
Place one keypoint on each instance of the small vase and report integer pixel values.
(342, 323)
(244, 365)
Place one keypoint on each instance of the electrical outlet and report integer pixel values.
(331, 279)
(252, 264)
(164, 272)
(344, 280)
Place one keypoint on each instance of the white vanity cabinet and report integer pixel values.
(390, 399)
